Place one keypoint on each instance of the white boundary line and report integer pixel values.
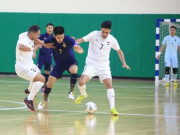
(68, 111)
(16, 108)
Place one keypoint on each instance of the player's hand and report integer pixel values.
(126, 66)
(78, 49)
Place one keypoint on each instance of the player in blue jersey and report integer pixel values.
(64, 60)
(172, 44)
(45, 55)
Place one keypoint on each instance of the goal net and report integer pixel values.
(161, 32)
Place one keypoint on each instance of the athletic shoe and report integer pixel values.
(80, 98)
(26, 91)
(29, 104)
(114, 112)
(42, 104)
(167, 83)
(175, 83)
(71, 95)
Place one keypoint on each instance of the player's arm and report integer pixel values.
(35, 50)
(121, 56)
(78, 49)
(47, 45)
(160, 51)
(23, 47)
(80, 40)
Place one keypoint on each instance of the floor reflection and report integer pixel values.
(168, 107)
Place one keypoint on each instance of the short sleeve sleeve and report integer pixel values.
(88, 37)
(115, 45)
(164, 41)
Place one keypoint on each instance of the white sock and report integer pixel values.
(82, 89)
(35, 88)
(111, 97)
(167, 77)
(30, 86)
(174, 77)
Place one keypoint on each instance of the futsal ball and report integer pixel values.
(90, 107)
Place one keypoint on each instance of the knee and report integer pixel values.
(167, 70)
(175, 70)
(73, 69)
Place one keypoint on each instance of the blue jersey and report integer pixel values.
(45, 52)
(63, 52)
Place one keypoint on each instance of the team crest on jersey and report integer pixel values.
(108, 43)
(64, 45)
(96, 39)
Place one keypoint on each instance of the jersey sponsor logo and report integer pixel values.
(64, 44)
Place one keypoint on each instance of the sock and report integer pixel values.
(35, 88)
(82, 89)
(73, 81)
(30, 86)
(46, 78)
(46, 93)
(111, 97)
(174, 77)
(167, 77)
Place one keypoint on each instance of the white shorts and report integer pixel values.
(101, 72)
(27, 73)
(171, 60)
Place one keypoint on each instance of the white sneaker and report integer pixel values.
(71, 96)
(41, 105)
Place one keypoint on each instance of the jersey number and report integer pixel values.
(101, 46)
(60, 51)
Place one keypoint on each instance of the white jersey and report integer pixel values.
(24, 58)
(99, 48)
(172, 44)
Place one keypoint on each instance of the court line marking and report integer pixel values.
(127, 114)
(16, 108)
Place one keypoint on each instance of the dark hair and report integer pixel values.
(58, 30)
(49, 24)
(173, 27)
(33, 28)
(106, 24)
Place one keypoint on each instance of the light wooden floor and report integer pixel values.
(145, 109)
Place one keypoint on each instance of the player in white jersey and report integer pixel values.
(25, 67)
(97, 62)
(172, 44)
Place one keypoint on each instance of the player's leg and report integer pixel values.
(110, 95)
(167, 68)
(54, 75)
(88, 73)
(32, 74)
(47, 67)
(82, 88)
(47, 91)
(175, 69)
(73, 70)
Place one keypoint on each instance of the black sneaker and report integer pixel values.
(29, 104)
(26, 91)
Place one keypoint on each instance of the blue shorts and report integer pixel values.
(58, 69)
(46, 62)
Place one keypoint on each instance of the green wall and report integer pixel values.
(134, 32)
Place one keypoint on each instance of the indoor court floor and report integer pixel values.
(145, 108)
